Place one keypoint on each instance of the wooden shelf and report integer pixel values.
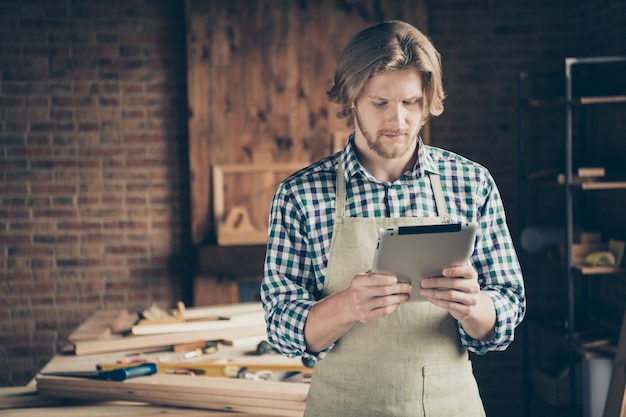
(602, 185)
(597, 270)
(559, 102)
(600, 100)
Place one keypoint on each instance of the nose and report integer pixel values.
(396, 115)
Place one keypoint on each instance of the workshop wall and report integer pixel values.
(94, 203)
(94, 194)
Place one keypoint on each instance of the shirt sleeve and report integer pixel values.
(499, 272)
(289, 288)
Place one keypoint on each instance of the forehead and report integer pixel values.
(394, 84)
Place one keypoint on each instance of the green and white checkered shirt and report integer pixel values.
(301, 226)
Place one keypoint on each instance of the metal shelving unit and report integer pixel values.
(573, 98)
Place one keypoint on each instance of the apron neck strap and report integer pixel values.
(435, 183)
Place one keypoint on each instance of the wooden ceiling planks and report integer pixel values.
(257, 77)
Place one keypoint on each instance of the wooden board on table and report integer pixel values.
(263, 397)
(117, 344)
(242, 320)
(223, 311)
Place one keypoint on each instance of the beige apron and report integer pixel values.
(410, 363)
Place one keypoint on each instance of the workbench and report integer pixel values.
(159, 394)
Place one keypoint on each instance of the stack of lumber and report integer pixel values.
(113, 337)
(111, 331)
(240, 395)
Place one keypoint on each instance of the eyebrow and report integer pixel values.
(416, 97)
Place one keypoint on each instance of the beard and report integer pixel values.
(380, 146)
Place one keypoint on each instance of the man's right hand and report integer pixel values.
(368, 297)
(371, 296)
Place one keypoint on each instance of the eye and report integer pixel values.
(379, 103)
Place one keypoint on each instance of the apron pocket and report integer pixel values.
(451, 391)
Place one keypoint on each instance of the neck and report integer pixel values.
(384, 169)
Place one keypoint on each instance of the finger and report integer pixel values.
(374, 280)
(381, 312)
(463, 271)
(455, 297)
(456, 310)
(389, 301)
(458, 284)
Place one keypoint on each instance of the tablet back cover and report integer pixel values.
(416, 252)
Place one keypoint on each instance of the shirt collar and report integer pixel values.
(351, 165)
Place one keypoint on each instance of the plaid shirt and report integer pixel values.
(301, 226)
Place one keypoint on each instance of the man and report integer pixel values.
(376, 354)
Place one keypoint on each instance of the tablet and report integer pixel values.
(413, 253)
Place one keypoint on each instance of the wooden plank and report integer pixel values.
(180, 384)
(603, 185)
(223, 310)
(241, 320)
(117, 344)
(199, 95)
(66, 408)
(614, 405)
(264, 397)
(148, 394)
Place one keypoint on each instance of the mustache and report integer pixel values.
(393, 132)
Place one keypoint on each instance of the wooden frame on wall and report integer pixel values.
(244, 221)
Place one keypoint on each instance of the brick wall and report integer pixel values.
(93, 191)
(93, 198)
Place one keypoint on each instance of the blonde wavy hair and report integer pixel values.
(387, 46)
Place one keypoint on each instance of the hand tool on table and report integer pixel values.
(114, 374)
(264, 347)
(265, 375)
(209, 347)
(219, 367)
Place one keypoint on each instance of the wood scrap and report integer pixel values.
(103, 324)
(226, 323)
(156, 315)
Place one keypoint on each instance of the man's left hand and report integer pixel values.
(458, 292)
